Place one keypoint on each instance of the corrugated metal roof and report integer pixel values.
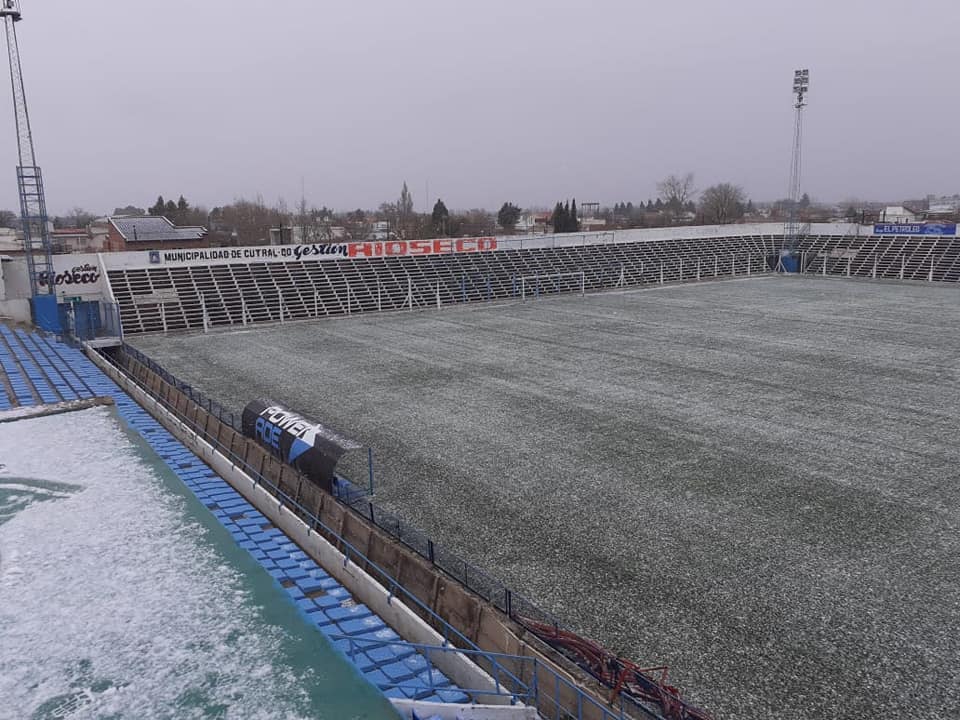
(155, 229)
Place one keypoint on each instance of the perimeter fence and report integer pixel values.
(517, 607)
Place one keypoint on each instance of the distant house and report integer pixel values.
(944, 205)
(899, 214)
(534, 223)
(78, 240)
(152, 233)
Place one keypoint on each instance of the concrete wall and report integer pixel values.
(16, 310)
(479, 621)
(16, 280)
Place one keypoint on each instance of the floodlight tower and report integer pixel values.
(791, 231)
(33, 206)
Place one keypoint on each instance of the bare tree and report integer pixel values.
(676, 191)
(404, 211)
(305, 221)
(722, 203)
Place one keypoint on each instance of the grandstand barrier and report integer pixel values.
(476, 612)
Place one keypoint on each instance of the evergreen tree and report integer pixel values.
(440, 216)
(565, 225)
(558, 218)
(170, 209)
(182, 206)
(508, 216)
(574, 220)
(629, 210)
(158, 207)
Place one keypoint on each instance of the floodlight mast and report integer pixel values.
(33, 206)
(791, 231)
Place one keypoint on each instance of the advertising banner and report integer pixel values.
(315, 251)
(307, 446)
(74, 275)
(915, 229)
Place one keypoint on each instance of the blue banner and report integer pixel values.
(915, 229)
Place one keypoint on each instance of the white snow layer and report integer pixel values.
(112, 602)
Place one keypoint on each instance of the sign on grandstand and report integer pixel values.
(78, 274)
(915, 229)
(310, 251)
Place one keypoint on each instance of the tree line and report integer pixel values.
(253, 221)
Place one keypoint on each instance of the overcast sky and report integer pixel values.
(520, 100)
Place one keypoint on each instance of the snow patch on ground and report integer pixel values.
(111, 602)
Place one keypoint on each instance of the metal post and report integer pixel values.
(438, 293)
(930, 276)
(243, 311)
(348, 299)
(622, 281)
(716, 265)
(748, 266)
(203, 309)
(849, 262)
(825, 265)
(874, 273)
(370, 467)
(163, 316)
(379, 301)
(698, 268)
(280, 304)
(661, 272)
(903, 262)
(316, 304)
(681, 268)
(733, 265)
(409, 293)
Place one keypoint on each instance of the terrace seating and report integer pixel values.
(36, 371)
(250, 292)
(931, 258)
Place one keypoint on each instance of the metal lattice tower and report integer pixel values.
(791, 231)
(33, 206)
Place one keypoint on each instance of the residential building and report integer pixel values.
(152, 233)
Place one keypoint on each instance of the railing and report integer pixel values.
(506, 684)
(470, 577)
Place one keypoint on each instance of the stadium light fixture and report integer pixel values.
(801, 84)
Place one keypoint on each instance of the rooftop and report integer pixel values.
(155, 229)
